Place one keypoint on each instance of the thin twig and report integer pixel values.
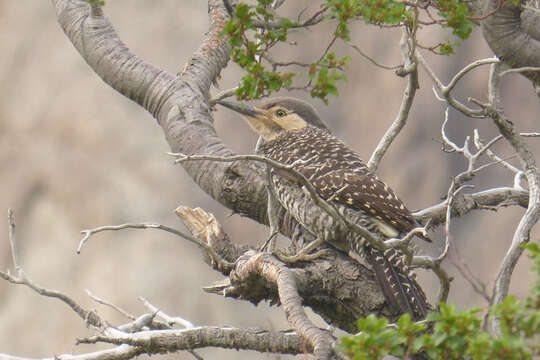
(13, 243)
(171, 320)
(88, 233)
(476, 283)
(492, 155)
(111, 305)
(90, 317)
(373, 61)
(290, 169)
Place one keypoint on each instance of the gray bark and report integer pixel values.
(180, 104)
(513, 33)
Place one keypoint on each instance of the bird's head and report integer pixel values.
(276, 115)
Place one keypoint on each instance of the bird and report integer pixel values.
(293, 134)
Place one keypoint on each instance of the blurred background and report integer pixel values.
(74, 155)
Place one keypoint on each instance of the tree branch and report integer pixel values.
(266, 266)
(163, 341)
(464, 203)
(511, 32)
(406, 103)
(532, 214)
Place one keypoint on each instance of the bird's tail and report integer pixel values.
(399, 286)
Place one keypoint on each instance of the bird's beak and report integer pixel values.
(242, 108)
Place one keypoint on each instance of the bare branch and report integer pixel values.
(90, 232)
(266, 266)
(443, 92)
(13, 243)
(171, 320)
(532, 214)
(464, 203)
(476, 283)
(478, 143)
(90, 317)
(371, 60)
(122, 352)
(460, 74)
(222, 95)
(161, 341)
(221, 253)
(406, 103)
(112, 306)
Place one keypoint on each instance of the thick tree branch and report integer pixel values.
(180, 104)
(512, 33)
(464, 203)
(272, 270)
(336, 286)
(163, 341)
(140, 335)
(99, 45)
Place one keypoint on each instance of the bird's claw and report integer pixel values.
(307, 253)
(291, 259)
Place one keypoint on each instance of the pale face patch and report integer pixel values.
(287, 120)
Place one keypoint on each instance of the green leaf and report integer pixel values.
(447, 49)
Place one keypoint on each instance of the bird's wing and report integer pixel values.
(363, 191)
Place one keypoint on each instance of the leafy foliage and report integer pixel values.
(373, 11)
(254, 29)
(456, 334)
(96, 2)
(457, 16)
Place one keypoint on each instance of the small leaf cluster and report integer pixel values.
(249, 45)
(248, 52)
(254, 29)
(456, 334)
(325, 74)
(376, 338)
(457, 14)
(388, 12)
(96, 2)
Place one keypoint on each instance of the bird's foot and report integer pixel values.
(307, 253)
(291, 259)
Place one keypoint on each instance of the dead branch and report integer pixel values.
(163, 341)
(274, 271)
(528, 163)
(408, 97)
(88, 233)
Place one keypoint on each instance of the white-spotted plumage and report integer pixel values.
(342, 178)
(293, 134)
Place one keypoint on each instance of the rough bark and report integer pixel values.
(180, 104)
(512, 32)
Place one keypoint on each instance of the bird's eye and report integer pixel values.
(280, 113)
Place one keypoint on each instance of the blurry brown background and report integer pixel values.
(74, 155)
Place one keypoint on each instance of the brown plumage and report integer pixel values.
(293, 133)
